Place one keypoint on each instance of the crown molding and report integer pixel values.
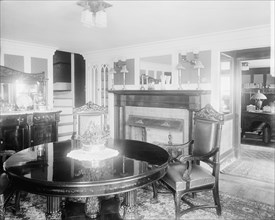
(25, 48)
(252, 37)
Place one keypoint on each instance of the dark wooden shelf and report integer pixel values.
(263, 90)
(161, 92)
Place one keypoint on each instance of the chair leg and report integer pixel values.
(177, 198)
(17, 201)
(155, 191)
(217, 200)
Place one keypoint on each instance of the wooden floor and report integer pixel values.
(249, 188)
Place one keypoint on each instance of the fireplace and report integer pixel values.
(156, 115)
(156, 125)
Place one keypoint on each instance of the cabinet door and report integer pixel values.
(13, 138)
(43, 133)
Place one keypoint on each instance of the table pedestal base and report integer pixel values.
(53, 211)
(92, 207)
(129, 207)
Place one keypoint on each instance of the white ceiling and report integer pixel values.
(57, 23)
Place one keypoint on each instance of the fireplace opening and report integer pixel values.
(157, 125)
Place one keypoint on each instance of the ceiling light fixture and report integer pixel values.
(94, 14)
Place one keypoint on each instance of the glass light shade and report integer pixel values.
(198, 65)
(124, 69)
(87, 18)
(101, 19)
(112, 71)
(258, 96)
(180, 67)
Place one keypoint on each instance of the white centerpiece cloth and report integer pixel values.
(84, 155)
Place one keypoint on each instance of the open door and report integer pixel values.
(231, 94)
(227, 105)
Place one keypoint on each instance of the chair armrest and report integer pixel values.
(177, 150)
(206, 157)
(185, 160)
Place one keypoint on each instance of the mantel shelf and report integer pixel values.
(161, 92)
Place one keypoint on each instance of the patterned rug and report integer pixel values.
(33, 207)
(255, 163)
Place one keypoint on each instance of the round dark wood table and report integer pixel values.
(47, 170)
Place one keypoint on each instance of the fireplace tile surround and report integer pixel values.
(156, 125)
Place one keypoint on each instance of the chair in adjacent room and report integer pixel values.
(199, 171)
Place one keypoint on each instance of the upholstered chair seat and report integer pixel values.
(198, 177)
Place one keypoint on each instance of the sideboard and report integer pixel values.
(19, 130)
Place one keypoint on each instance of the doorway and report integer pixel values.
(251, 72)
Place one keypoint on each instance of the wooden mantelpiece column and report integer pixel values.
(192, 100)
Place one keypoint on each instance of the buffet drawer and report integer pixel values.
(44, 118)
(15, 120)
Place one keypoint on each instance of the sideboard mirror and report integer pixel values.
(21, 91)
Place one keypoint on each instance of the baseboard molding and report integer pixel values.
(226, 159)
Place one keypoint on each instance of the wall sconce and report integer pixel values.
(195, 62)
(120, 67)
(183, 58)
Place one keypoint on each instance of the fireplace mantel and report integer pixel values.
(185, 99)
(192, 100)
(160, 92)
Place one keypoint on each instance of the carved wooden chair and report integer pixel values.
(186, 174)
(86, 114)
(83, 116)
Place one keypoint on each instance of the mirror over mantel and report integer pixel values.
(155, 71)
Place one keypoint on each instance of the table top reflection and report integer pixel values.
(47, 170)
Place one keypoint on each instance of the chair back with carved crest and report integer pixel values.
(86, 115)
(207, 131)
